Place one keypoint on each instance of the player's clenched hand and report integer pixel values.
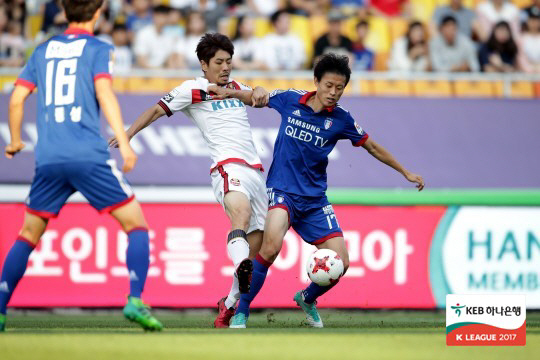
(113, 142)
(415, 179)
(218, 92)
(129, 157)
(13, 148)
(260, 97)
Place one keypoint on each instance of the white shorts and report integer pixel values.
(248, 181)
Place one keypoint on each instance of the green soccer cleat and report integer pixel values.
(238, 321)
(312, 315)
(2, 323)
(137, 311)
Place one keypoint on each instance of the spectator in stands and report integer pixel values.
(390, 8)
(411, 52)
(530, 57)
(363, 57)
(452, 51)
(12, 45)
(247, 50)
(465, 17)
(283, 50)
(185, 48)
(265, 7)
(153, 47)
(334, 41)
(141, 16)
(174, 24)
(533, 10)
(490, 12)
(212, 11)
(54, 19)
(499, 53)
(123, 56)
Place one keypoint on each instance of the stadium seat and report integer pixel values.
(231, 26)
(522, 3)
(439, 88)
(348, 27)
(378, 37)
(302, 84)
(317, 26)
(119, 84)
(398, 28)
(33, 25)
(381, 61)
(262, 26)
(7, 83)
(148, 85)
(522, 89)
(463, 88)
(423, 9)
(365, 87)
(537, 89)
(300, 26)
(392, 88)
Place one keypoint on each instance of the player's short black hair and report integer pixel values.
(332, 63)
(81, 10)
(211, 43)
(447, 20)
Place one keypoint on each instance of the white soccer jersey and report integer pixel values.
(223, 123)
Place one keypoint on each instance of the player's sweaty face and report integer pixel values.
(219, 68)
(330, 88)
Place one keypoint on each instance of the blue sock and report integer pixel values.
(313, 291)
(137, 260)
(260, 269)
(13, 270)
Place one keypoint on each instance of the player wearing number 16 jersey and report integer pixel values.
(73, 74)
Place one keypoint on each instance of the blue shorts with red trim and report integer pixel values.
(102, 184)
(313, 218)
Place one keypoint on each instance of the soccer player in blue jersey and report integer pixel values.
(311, 125)
(73, 74)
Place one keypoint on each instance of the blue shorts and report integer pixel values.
(312, 218)
(102, 184)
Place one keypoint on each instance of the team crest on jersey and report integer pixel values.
(280, 199)
(327, 123)
(235, 182)
(359, 128)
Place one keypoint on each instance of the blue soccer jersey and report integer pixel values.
(64, 69)
(304, 140)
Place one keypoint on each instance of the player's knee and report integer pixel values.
(270, 250)
(30, 234)
(240, 216)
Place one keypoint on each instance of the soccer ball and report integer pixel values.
(324, 267)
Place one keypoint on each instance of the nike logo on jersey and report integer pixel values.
(296, 113)
(227, 104)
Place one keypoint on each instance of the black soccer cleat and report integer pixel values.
(244, 272)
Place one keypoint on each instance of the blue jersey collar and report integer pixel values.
(304, 99)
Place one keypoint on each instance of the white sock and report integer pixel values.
(238, 250)
(234, 294)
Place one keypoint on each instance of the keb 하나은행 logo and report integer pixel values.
(485, 320)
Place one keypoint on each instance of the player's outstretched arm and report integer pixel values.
(16, 111)
(145, 119)
(383, 155)
(109, 104)
(257, 97)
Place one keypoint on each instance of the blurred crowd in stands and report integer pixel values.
(397, 35)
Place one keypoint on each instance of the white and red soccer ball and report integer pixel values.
(324, 267)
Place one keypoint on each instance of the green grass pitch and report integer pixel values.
(273, 334)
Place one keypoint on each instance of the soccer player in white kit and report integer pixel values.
(236, 172)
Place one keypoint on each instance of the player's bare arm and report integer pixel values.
(16, 111)
(145, 119)
(109, 103)
(257, 97)
(383, 155)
